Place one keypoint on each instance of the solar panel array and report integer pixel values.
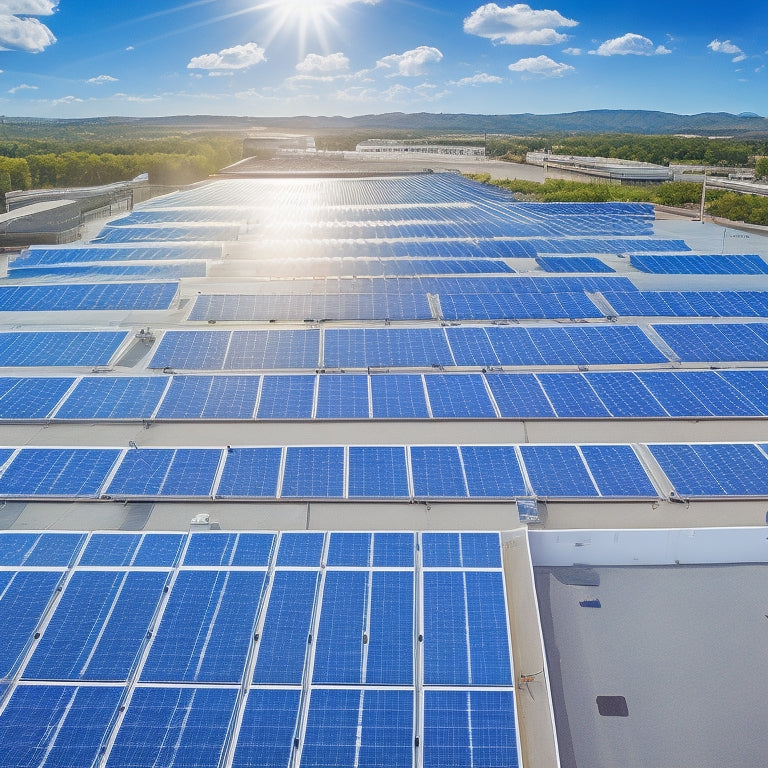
(608, 394)
(300, 648)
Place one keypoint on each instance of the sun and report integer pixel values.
(306, 17)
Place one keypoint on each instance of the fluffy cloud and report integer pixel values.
(28, 7)
(573, 51)
(411, 63)
(313, 62)
(396, 93)
(541, 65)
(100, 79)
(22, 87)
(24, 34)
(517, 25)
(237, 57)
(630, 43)
(727, 47)
(479, 79)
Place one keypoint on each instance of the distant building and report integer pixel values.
(271, 144)
(391, 147)
(599, 170)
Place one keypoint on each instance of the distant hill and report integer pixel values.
(592, 121)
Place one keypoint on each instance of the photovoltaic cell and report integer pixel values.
(557, 470)
(129, 397)
(210, 397)
(300, 549)
(342, 397)
(350, 549)
(159, 549)
(519, 395)
(59, 348)
(624, 394)
(393, 550)
(110, 549)
(250, 473)
(191, 350)
(313, 472)
(618, 471)
(286, 397)
(455, 397)
(173, 727)
(54, 550)
(398, 396)
(492, 471)
(258, 350)
(437, 472)
(31, 397)
(378, 472)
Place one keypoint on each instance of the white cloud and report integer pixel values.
(333, 62)
(221, 73)
(411, 63)
(517, 25)
(397, 93)
(630, 43)
(573, 51)
(22, 87)
(479, 79)
(100, 79)
(727, 47)
(237, 57)
(67, 100)
(541, 65)
(24, 34)
(29, 7)
(130, 48)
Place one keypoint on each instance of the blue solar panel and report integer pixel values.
(488, 639)
(519, 395)
(36, 255)
(24, 597)
(676, 398)
(471, 346)
(455, 397)
(339, 644)
(83, 296)
(65, 472)
(391, 629)
(253, 549)
(173, 727)
(39, 549)
(51, 726)
(714, 469)
(751, 384)
(250, 473)
(571, 395)
(206, 628)
(383, 718)
(378, 472)
(98, 628)
(59, 348)
(286, 397)
(130, 397)
(342, 397)
(460, 550)
(617, 471)
(164, 234)
(557, 470)
(572, 264)
(31, 398)
(300, 549)
(398, 396)
(704, 342)
(251, 350)
(350, 549)
(470, 728)
(624, 394)
(159, 549)
(224, 549)
(437, 472)
(267, 731)
(191, 350)
(110, 549)
(492, 471)
(210, 397)
(716, 394)
(393, 550)
(166, 472)
(736, 264)
(381, 347)
(313, 472)
(283, 643)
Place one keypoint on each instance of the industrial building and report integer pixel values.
(388, 471)
(600, 170)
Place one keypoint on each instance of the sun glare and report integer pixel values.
(305, 17)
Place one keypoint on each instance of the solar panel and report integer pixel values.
(437, 472)
(617, 471)
(206, 628)
(714, 469)
(378, 472)
(57, 472)
(83, 296)
(398, 396)
(454, 397)
(250, 473)
(751, 384)
(300, 549)
(256, 350)
(286, 397)
(267, 732)
(393, 550)
(56, 726)
(492, 471)
(210, 397)
(31, 397)
(572, 264)
(557, 470)
(460, 550)
(382, 347)
(130, 397)
(173, 727)
(191, 350)
(624, 394)
(59, 348)
(159, 549)
(283, 642)
(342, 396)
(350, 549)
(723, 264)
(519, 395)
(571, 395)
(110, 549)
(471, 346)
(313, 472)
(53, 550)
(98, 628)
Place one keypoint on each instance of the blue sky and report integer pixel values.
(79, 58)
